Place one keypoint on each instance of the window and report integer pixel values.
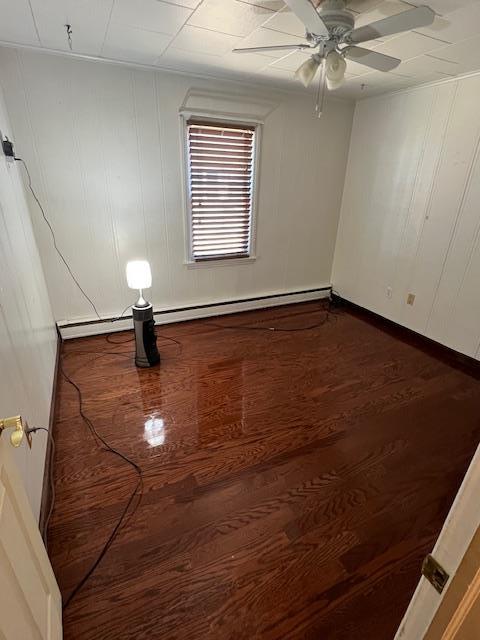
(221, 168)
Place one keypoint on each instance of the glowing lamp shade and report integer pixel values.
(335, 70)
(139, 275)
(306, 72)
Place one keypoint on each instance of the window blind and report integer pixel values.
(221, 178)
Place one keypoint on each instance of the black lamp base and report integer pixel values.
(146, 352)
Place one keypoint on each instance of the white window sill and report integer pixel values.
(225, 262)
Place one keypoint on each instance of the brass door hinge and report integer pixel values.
(434, 573)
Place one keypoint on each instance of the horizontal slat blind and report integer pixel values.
(221, 167)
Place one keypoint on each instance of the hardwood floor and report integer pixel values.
(293, 481)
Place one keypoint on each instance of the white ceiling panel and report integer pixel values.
(228, 16)
(445, 6)
(362, 6)
(199, 35)
(287, 22)
(246, 62)
(429, 63)
(409, 45)
(466, 54)
(191, 4)
(151, 15)
(16, 22)
(205, 41)
(267, 5)
(89, 20)
(134, 45)
(457, 25)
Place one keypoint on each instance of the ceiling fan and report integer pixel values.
(330, 29)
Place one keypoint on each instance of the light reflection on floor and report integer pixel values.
(154, 431)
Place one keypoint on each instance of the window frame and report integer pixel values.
(208, 118)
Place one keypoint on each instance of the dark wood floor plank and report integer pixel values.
(297, 483)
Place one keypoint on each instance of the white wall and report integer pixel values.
(27, 331)
(103, 143)
(410, 216)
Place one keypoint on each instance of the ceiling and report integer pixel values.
(198, 36)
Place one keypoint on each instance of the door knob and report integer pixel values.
(19, 427)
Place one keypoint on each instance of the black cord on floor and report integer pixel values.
(108, 338)
(120, 317)
(328, 313)
(138, 489)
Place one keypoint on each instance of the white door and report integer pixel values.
(460, 526)
(30, 601)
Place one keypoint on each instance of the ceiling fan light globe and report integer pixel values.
(306, 71)
(335, 67)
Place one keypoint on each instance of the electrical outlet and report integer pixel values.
(389, 292)
(411, 299)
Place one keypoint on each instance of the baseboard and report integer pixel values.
(166, 316)
(437, 349)
(46, 489)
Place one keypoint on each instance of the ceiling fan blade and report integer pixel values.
(306, 71)
(412, 19)
(274, 47)
(371, 59)
(306, 12)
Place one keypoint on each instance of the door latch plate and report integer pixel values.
(434, 573)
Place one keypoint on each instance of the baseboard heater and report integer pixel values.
(193, 312)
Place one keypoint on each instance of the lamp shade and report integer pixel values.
(306, 71)
(335, 70)
(139, 275)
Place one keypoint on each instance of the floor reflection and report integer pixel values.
(154, 431)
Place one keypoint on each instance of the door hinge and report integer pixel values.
(434, 573)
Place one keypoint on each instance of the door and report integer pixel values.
(458, 616)
(452, 550)
(30, 601)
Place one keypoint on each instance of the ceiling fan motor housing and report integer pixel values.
(337, 20)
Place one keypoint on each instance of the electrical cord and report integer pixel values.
(62, 257)
(328, 313)
(51, 480)
(108, 338)
(121, 315)
(138, 489)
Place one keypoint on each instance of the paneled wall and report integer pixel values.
(27, 331)
(410, 219)
(104, 147)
